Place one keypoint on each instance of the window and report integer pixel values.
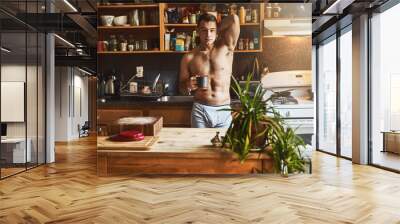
(385, 88)
(327, 96)
(346, 93)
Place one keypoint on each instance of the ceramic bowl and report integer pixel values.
(107, 20)
(120, 20)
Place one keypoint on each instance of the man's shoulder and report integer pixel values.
(189, 55)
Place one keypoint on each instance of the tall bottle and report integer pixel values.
(242, 15)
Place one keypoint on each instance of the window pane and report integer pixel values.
(327, 97)
(346, 94)
(385, 86)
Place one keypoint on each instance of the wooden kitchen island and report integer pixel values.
(177, 151)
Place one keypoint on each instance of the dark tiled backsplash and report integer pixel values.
(279, 55)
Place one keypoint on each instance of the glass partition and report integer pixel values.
(22, 90)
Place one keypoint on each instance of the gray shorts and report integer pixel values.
(204, 116)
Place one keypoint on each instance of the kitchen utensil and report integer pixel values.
(107, 20)
(110, 87)
(120, 20)
(155, 82)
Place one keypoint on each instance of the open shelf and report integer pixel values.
(180, 25)
(162, 52)
(126, 52)
(127, 27)
(162, 28)
(127, 6)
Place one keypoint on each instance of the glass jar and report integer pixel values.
(137, 45)
(248, 16)
(144, 45)
(240, 44)
(131, 43)
(113, 43)
(123, 43)
(142, 16)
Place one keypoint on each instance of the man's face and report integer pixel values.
(207, 32)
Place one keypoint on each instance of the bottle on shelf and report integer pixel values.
(194, 39)
(131, 43)
(251, 45)
(242, 15)
(167, 38)
(248, 15)
(256, 39)
(254, 16)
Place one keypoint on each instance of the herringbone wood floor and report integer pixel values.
(70, 192)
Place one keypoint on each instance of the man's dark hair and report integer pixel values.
(207, 18)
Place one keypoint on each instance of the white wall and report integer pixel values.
(71, 102)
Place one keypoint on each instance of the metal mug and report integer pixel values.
(202, 82)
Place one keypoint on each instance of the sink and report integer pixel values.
(176, 99)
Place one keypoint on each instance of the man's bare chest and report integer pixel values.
(213, 63)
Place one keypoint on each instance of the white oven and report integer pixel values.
(292, 98)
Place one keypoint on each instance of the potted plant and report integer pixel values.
(246, 133)
(256, 126)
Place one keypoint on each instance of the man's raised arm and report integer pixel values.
(228, 32)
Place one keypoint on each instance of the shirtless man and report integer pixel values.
(213, 58)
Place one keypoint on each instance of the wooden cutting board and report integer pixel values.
(145, 144)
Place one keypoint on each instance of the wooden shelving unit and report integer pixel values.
(180, 25)
(126, 6)
(128, 52)
(118, 9)
(127, 27)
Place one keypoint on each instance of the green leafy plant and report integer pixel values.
(256, 125)
(285, 147)
(244, 130)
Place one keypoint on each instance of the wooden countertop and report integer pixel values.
(181, 142)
